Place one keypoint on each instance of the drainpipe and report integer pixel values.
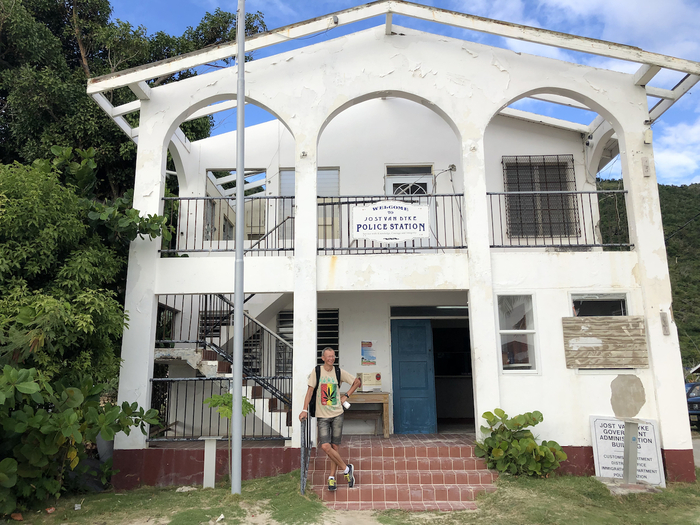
(237, 365)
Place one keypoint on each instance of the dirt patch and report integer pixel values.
(350, 517)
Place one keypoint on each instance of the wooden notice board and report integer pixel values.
(605, 342)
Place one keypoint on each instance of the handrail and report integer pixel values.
(261, 239)
(276, 392)
(306, 445)
(255, 321)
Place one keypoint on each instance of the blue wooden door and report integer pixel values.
(413, 377)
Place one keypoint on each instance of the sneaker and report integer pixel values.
(331, 484)
(350, 476)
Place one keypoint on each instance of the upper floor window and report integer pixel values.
(599, 305)
(542, 211)
(516, 326)
(409, 180)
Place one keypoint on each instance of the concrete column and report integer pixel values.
(646, 233)
(141, 303)
(482, 325)
(305, 301)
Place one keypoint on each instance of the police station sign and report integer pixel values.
(609, 448)
(390, 221)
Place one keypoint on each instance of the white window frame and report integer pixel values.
(390, 180)
(534, 356)
(593, 296)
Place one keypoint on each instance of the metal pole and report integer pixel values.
(237, 365)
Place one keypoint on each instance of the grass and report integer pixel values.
(569, 500)
(276, 498)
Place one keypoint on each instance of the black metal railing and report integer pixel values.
(559, 219)
(185, 416)
(203, 324)
(207, 224)
(445, 225)
(306, 446)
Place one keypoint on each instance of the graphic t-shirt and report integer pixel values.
(328, 393)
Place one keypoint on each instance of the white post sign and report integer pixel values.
(390, 221)
(609, 447)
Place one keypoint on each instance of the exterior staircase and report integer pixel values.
(409, 472)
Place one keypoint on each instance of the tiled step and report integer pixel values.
(405, 472)
(397, 465)
(398, 493)
(447, 477)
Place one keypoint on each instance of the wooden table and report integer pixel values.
(360, 398)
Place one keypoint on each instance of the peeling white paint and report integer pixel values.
(585, 343)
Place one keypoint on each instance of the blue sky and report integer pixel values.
(662, 26)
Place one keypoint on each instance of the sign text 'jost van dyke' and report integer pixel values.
(390, 221)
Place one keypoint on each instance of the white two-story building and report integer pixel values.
(403, 213)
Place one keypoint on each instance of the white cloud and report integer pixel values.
(677, 152)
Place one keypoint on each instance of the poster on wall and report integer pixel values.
(369, 356)
(390, 221)
(609, 449)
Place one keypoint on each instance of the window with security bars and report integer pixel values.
(326, 330)
(544, 209)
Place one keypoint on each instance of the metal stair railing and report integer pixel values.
(306, 446)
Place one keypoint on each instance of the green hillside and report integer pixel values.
(679, 205)
(680, 210)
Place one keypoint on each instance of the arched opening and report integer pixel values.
(543, 175)
(387, 161)
(201, 179)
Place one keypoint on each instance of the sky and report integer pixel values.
(662, 26)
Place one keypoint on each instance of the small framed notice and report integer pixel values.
(609, 448)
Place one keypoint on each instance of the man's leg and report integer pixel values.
(337, 436)
(324, 439)
(332, 452)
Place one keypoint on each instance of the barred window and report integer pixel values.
(541, 210)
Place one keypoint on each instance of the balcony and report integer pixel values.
(563, 220)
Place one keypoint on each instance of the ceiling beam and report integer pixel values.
(214, 108)
(645, 73)
(547, 121)
(141, 90)
(558, 99)
(668, 94)
(125, 109)
(680, 89)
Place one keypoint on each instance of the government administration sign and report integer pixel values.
(390, 221)
(609, 449)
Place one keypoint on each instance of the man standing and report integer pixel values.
(325, 381)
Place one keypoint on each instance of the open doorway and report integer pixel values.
(432, 373)
(454, 395)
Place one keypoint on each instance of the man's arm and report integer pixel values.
(305, 408)
(355, 385)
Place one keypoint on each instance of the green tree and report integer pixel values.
(61, 258)
(48, 50)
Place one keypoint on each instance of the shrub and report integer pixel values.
(43, 430)
(512, 449)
